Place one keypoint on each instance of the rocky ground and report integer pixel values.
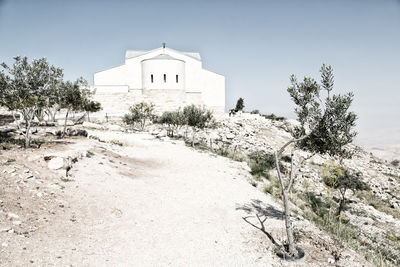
(145, 200)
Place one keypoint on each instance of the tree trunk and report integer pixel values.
(27, 136)
(288, 225)
(88, 118)
(53, 116)
(193, 136)
(65, 124)
(341, 203)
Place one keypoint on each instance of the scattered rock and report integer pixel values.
(62, 122)
(230, 136)
(92, 125)
(162, 134)
(55, 163)
(114, 127)
(12, 216)
(76, 132)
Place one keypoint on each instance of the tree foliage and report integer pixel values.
(74, 96)
(326, 127)
(343, 179)
(91, 106)
(173, 120)
(197, 117)
(25, 88)
(139, 114)
(239, 104)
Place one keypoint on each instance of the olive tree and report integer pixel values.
(326, 127)
(74, 96)
(91, 106)
(24, 89)
(173, 120)
(53, 99)
(343, 179)
(139, 114)
(197, 118)
(239, 104)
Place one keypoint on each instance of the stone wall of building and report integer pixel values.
(117, 104)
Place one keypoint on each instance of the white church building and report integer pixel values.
(165, 77)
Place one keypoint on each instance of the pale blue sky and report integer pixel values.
(255, 44)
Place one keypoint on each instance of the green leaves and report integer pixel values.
(74, 95)
(92, 106)
(341, 178)
(327, 78)
(305, 95)
(139, 113)
(325, 127)
(197, 117)
(30, 87)
(239, 104)
(176, 118)
(25, 85)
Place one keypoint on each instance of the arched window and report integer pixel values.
(152, 78)
(165, 78)
(177, 78)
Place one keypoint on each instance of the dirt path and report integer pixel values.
(136, 201)
(151, 203)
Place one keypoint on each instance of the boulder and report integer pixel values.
(230, 136)
(41, 132)
(92, 125)
(12, 216)
(162, 134)
(55, 163)
(114, 127)
(77, 132)
(155, 132)
(48, 123)
(61, 123)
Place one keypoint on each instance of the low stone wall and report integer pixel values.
(117, 104)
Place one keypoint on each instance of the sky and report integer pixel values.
(255, 44)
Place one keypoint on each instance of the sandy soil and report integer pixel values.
(145, 203)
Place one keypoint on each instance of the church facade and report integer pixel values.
(165, 77)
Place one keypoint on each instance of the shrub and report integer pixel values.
(395, 163)
(197, 118)
(273, 188)
(255, 111)
(139, 114)
(273, 117)
(316, 204)
(91, 106)
(239, 104)
(258, 169)
(261, 162)
(286, 158)
(343, 179)
(173, 119)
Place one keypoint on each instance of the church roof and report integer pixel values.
(136, 53)
(162, 56)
